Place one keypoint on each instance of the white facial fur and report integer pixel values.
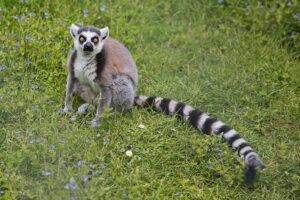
(89, 35)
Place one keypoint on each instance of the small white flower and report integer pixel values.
(48, 173)
(141, 126)
(129, 153)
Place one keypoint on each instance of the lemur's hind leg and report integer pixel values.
(102, 101)
(119, 96)
(86, 94)
(123, 91)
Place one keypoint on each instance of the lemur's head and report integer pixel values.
(88, 40)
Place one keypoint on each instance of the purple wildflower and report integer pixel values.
(1, 192)
(3, 68)
(289, 3)
(38, 140)
(248, 5)
(31, 141)
(103, 8)
(210, 167)
(247, 14)
(79, 163)
(296, 16)
(52, 146)
(177, 193)
(293, 36)
(28, 38)
(84, 178)
(70, 186)
(98, 135)
(27, 61)
(17, 44)
(72, 198)
(271, 10)
(220, 153)
(103, 166)
(48, 173)
(7, 174)
(23, 18)
(221, 1)
(35, 86)
(15, 17)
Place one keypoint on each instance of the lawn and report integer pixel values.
(248, 80)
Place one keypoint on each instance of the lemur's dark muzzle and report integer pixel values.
(88, 47)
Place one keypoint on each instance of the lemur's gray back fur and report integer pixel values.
(103, 73)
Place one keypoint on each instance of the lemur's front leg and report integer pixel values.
(69, 93)
(102, 101)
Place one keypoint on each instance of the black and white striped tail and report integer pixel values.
(207, 125)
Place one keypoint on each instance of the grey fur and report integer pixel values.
(105, 77)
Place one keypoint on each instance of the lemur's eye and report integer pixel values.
(95, 40)
(81, 39)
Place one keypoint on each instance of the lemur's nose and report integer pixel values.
(88, 47)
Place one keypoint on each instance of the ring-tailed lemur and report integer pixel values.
(103, 73)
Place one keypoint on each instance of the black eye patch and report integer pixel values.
(82, 39)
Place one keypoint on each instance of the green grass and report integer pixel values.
(249, 81)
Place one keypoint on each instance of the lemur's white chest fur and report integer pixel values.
(85, 72)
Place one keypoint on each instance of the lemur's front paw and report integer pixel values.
(96, 122)
(64, 110)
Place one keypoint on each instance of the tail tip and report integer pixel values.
(250, 173)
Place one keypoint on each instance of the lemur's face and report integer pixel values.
(88, 40)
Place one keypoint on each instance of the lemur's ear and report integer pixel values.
(73, 30)
(104, 33)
